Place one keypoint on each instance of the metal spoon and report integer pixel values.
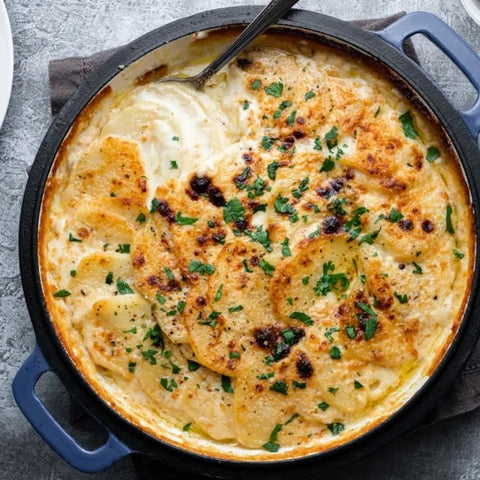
(268, 16)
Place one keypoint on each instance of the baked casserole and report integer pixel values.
(263, 269)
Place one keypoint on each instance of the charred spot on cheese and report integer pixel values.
(331, 225)
(202, 186)
(304, 366)
(427, 226)
(406, 225)
(244, 63)
(332, 188)
(164, 209)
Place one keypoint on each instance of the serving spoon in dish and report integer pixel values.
(268, 16)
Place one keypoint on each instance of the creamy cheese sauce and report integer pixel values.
(263, 269)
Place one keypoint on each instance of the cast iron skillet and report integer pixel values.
(124, 438)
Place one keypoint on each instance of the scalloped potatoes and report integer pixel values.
(266, 268)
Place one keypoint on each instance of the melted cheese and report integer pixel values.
(277, 249)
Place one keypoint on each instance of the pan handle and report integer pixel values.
(445, 38)
(50, 430)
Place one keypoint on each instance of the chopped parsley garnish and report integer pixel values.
(315, 233)
(394, 216)
(208, 323)
(219, 293)
(327, 165)
(201, 268)
(291, 117)
(323, 406)
(181, 306)
(272, 170)
(245, 105)
(62, 293)
(260, 208)
(458, 254)
(246, 267)
(124, 248)
(265, 376)
(331, 138)
(132, 330)
(211, 224)
(353, 225)
(401, 298)
(309, 95)
(333, 390)
(173, 165)
(371, 321)
(234, 355)
(181, 220)
(71, 238)
(331, 281)
(336, 427)
(131, 367)
(329, 331)
(266, 267)
(237, 308)
(233, 211)
(156, 336)
(418, 269)
(303, 187)
(155, 204)
(160, 298)
(242, 178)
(256, 84)
(186, 427)
(271, 446)
(448, 220)
(305, 280)
(176, 138)
(256, 189)
(227, 384)
(280, 386)
(260, 236)
(193, 366)
(357, 384)
(267, 142)
(73, 273)
(282, 205)
(301, 385)
(109, 278)
(407, 124)
(375, 115)
(317, 143)
(168, 386)
(432, 154)
(169, 274)
(335, 353)
(369, 238)
(141, 218)
(350, 331)
(286, 252)
(302, 317)
(150, 356)
(275, 89)
(123, 287)
(336, 206)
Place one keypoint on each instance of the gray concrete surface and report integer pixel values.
(57, 28)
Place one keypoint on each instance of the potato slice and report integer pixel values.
(113, 328)
(297, 280)
(220, 325)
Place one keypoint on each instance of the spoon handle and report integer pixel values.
(268, 16)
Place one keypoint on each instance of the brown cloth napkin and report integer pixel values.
(66, 75)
